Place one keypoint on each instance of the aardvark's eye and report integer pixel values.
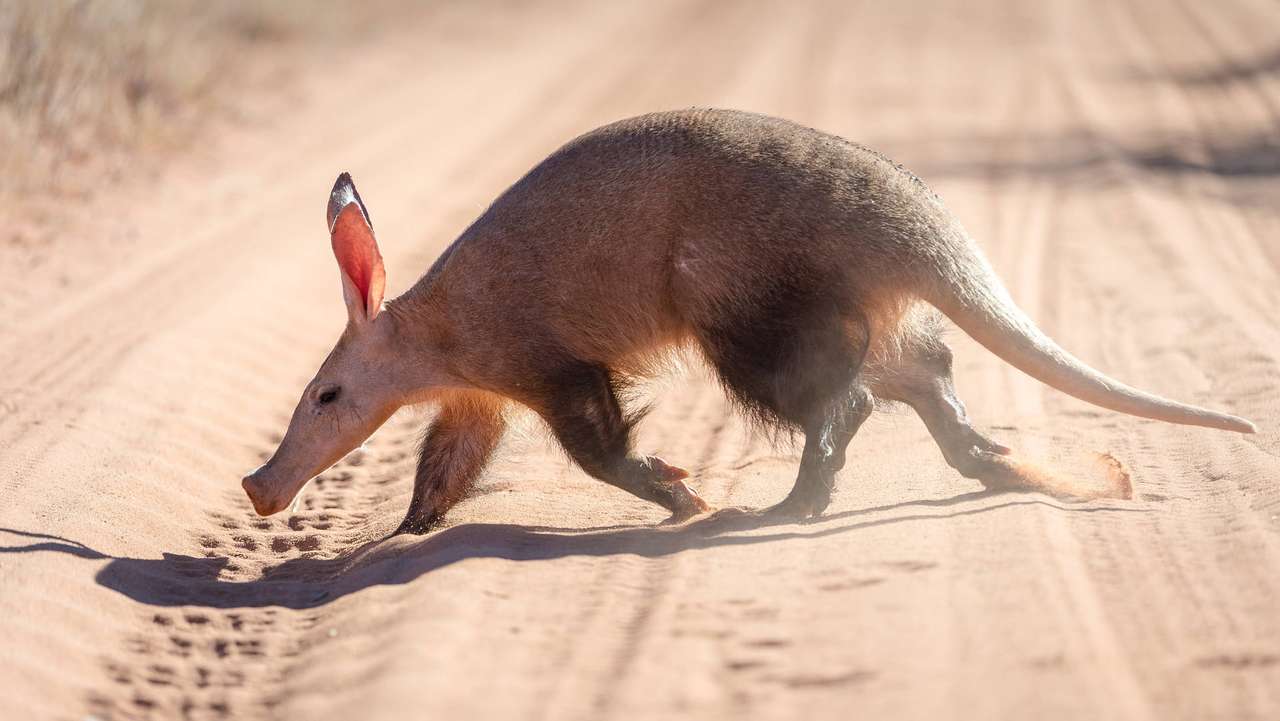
(328, 395)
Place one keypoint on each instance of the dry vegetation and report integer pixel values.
(82, 81)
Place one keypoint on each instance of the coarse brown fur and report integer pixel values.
(796, 262)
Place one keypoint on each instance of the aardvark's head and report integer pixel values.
(358, 386)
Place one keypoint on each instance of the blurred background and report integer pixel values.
(85, 82)
(91, 92)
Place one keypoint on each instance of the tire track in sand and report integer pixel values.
(250, 549)
(912, 598)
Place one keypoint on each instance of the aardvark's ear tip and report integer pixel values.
(343, 187)
(344, 193)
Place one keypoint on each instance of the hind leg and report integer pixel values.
(581, 407)
(921, 378)
(801, 374)
(826, 438)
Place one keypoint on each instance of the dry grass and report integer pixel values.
(82, 80)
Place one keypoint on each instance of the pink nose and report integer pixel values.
(264, 501)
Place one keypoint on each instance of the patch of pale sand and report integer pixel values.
(135, 581)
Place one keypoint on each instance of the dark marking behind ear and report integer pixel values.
(344, 193)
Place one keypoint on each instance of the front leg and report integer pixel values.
(454, 451)
(583, 411)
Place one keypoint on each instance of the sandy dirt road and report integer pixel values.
(1119, 163)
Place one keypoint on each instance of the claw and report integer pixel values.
(414, 526)
(666, 472)
(687, 503)
(989, 445)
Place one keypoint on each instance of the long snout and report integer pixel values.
(267, 494)
(309, 447)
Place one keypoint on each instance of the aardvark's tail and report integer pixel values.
(973, 297)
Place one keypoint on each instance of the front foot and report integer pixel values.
(417, 524)
(685, 503)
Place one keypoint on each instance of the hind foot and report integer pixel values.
(801, 504)
(1011, 473)
(996, 472)
(968, 435)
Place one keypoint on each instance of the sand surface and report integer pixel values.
(1117, 160)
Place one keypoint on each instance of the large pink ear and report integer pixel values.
(351, 232)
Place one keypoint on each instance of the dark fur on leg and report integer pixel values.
(454, 451)
(825, 444)
(796, 367)
(588, 420)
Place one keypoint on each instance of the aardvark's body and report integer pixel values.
(795, 261)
